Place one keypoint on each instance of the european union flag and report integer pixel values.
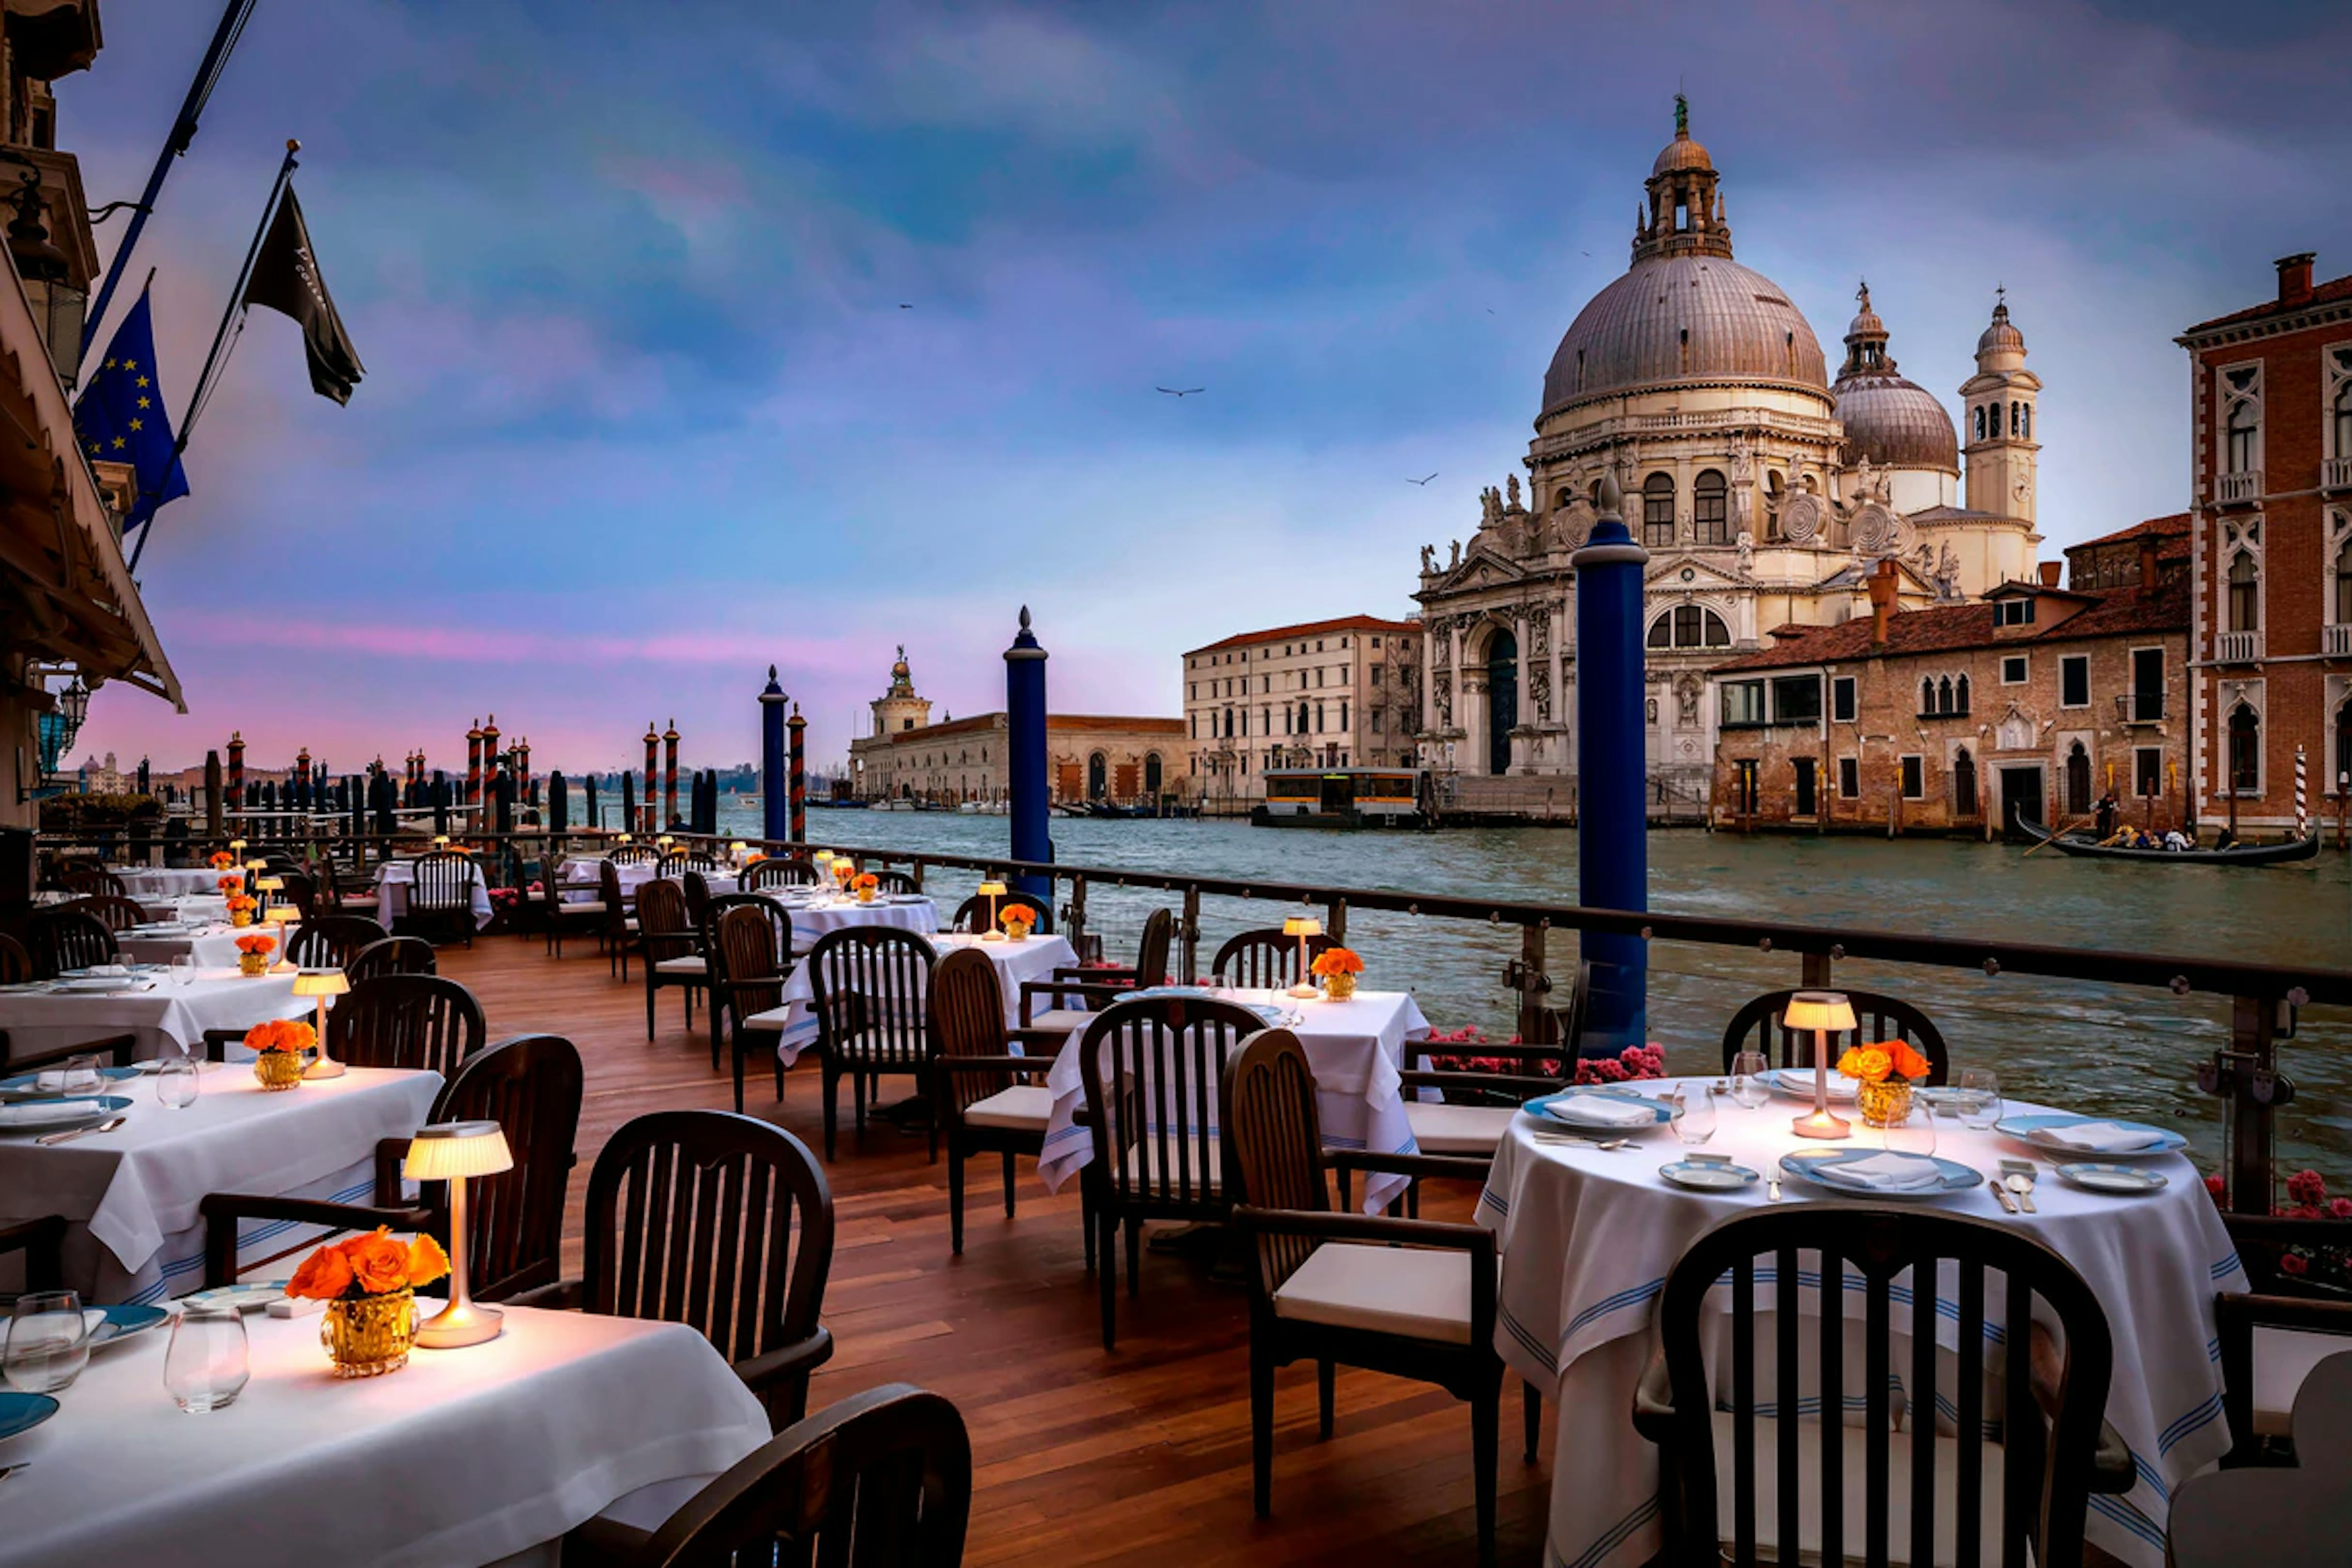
(121, 416)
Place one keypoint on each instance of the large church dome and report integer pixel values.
(1685, 318)
(1894, 422)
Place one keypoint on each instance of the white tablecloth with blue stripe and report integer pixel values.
(1588, 1238)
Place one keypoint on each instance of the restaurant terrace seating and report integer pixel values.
(1737, 1474)
(94, 880)
(778, 872)
(2273, 1335)
(15, 961)
(1757, 1027)
(302, 890)
(676, 862)
(1479, 1103)
(632, 853)
(406, 1021)
(667, 944)
(333, 941)
(873, 1018)
(881, 1480)
(1410, 1298)
(720, 1222)
(984, 1102)
(972, 915)
(441, 896)
(748, 941)
(335, 897)
(119, 914)
(1266, 959)
(390, 955)
(896, 882)
(619, 923)
(63, 938)
(1096, 986)
(559, 915)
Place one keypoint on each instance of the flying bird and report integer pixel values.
(1420, 481)
(905, 307)
(1183, 392)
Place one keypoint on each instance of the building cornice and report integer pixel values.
(2309, 319)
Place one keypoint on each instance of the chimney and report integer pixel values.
(2147, 553)
(2049, 572)
(2294, 277)
(1882, 601)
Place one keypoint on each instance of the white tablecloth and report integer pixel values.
(1035, 959)
(163, 1015)
(585, 875)
(1588, 1238)
(132, 1193)
(463, 1457)
(1356, 1048)
(214, 947)
(158, 882)
(394, 878)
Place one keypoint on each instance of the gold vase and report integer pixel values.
(866, 895)
(371, 1336)
(253, 963)
(1887, 1103)
(278, 1069)
(240, 917)
(1339, 987)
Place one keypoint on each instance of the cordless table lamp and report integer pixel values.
(322, 983)
(452, 1152)
(265, 886)
(1302, 927)
(1825, 1013)
(991, 891)
(280, 917)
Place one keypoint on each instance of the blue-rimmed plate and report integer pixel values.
(26, 1116)
(23, 1412)
(2095, 1176)
(2042, 1131)
(28, 1085)
(1271, 1013)
(1702, 1177)
(113, 1325)
(248, 1296)
(1820, 1169)
(1563, 1108)
(1797, 1083)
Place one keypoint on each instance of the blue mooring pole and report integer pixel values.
(1613, 853)
(774, 807)
(1025, 737)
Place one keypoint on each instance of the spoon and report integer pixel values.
(2022, 1185)
(1772, 1189)
(54, 1139)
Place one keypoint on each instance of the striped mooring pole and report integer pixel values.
(2302, 801)
(799, 727)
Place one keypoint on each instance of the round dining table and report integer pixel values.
(1589, 1234)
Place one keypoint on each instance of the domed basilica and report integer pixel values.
(1765, 492)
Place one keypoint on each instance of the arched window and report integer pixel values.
(1977, 416)
(1992, 418)
(1658, 510)
(1689, 625)
(2245, 593)
(2017, 419)
(2245, 425)
(1152, 773)
(1710, 508)
(2025, 420)
(1563, 497)
(1944, 695)
(1964, 784)
(2245, 750)
(2342, 420)
(2343, 584)
(1927, 695)
(1960, 694)
(2078, 780)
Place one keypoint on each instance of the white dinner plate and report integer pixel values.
(246, 1298)
(98, 984)
(1797, 1083)
(2095, 1176)
(1707, 1176)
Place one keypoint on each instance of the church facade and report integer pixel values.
(1766, 493)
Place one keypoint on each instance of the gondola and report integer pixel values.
(2239, 854)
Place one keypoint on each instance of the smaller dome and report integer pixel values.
(2001, 337)
(1682, 153)
(1866, 323)
(1896, 424)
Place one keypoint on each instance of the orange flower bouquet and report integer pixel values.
(240, 908)
(1338, 967)
(253, 954)
(1887, 1071)
(1017, 920)
(369, 1283)
(866, 886)
(278, 1047)
(222, 860)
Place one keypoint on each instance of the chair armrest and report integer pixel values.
(2330, 1317)
(391, 1154)
(1654, 1402)
(993, 1064)
(117, 1047)
(764, 1371)
(1060, 989)
(1529, 1085)
(2112, 1471)
(1325, 1226)
(1118, 975)
(563, 1296)
(1468, 1167)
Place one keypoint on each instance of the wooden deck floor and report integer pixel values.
(1081, 1456)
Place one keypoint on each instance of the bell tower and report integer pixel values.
(1997, 421)
(899, 709)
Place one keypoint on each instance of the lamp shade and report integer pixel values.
(990, 889)
(256, 865)
(448, 1150)
(1827, 1010)
(270, 885)
(322, 983)
(737, 848)
(1302, 925)
(236, 844)
(282, 914)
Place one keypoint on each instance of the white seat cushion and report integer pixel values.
(1852, 1494)
(1421, 1292)
(689, 966)
(1060, 1020)
(1201, 1166)
(1024, 1108)
(773, 1019)
(2283, 1358)
(631, 923)
(582, 909)
(1457, 1129)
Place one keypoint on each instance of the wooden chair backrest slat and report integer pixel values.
(391, 955)
(747, 952)
(1265, 958)
(870, 989)
(1757, 1027)
(443, 881)
(410, 1022)
(120, 914)
(333, 941)
(776, 871)
(968, 1020)
(1276, 1134)
(65, 939)
(531, 1087)
(1152, 1067)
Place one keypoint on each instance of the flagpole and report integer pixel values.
(220, 336)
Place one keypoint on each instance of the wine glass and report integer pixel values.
(1692, 1109)
(1915, 1134)
(1980, 1099)
(205, 1368)
(176, 1083)
(82, 1075)
(1748, 1087)
(184, 970)
(48, 1343)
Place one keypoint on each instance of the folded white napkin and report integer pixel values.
(1889, 1172)
(1600, 1110)
(49, 1079)
(44, 1112)
(2106, 1137)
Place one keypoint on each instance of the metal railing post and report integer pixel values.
(1191, 933)
(1075, 914)
(2249, 1087)
(1334, 921)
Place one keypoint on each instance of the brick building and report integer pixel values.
(2271, 522)
(1337, 693)
(1959, 717)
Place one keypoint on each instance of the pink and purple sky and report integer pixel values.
(643, 412)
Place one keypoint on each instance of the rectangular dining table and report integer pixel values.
(131, 1196)
(462, 1459)
(163, 1013)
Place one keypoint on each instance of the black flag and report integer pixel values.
(286, 279)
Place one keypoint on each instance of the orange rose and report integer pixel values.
(379, 1263)
(325, 1275)
(1869, 1063)
(427, 1261)
(1908, 1062)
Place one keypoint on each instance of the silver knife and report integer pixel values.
(2001, 1195)
(51, 1140)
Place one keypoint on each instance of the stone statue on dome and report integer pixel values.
(1428, 560)
(1490, 507)
(1456, 560)
(1511, 490)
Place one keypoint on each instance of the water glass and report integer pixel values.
(184, 970)
(1692, 1109)
(205, 1368)
(178, 1083)
(1916, 1134)
(1748, 1086)
(1980, 1099)
(82, 1077)
(48, 1343)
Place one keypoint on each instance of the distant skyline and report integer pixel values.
(645, 411)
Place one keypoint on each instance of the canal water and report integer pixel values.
(2120, 1050)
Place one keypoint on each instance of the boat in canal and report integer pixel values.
(1344, 797)
(2085, 846)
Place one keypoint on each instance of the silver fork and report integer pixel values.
(1603, 1143)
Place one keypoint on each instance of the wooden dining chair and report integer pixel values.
(1737, 1478)
(409, 1021)
(334, 942)
(560, 915)
(1266, 959)
(750, 958)
(120, 914)
(391, 955)
(667, 947)
(65, 939)
(441, 895)
(869, 990)
(1480, 1102)
(721, 1222)
(695, 885)
(2272, 1336)
(880, 1479)
(339, 898)
(95, 881)
(302, 890)
(41, 1243)
(972, 915)
(777, 871)
(678, 862)
(986, 1102)
(1093, 988)
(896, 882)
(15, 962)
(1757, 1027)
(1152, 1067)
(620, 929)
(1411, 1298)
(632, 853)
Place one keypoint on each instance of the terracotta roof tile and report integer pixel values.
(2323, 294)
(1950, 627)
(1309, 629)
